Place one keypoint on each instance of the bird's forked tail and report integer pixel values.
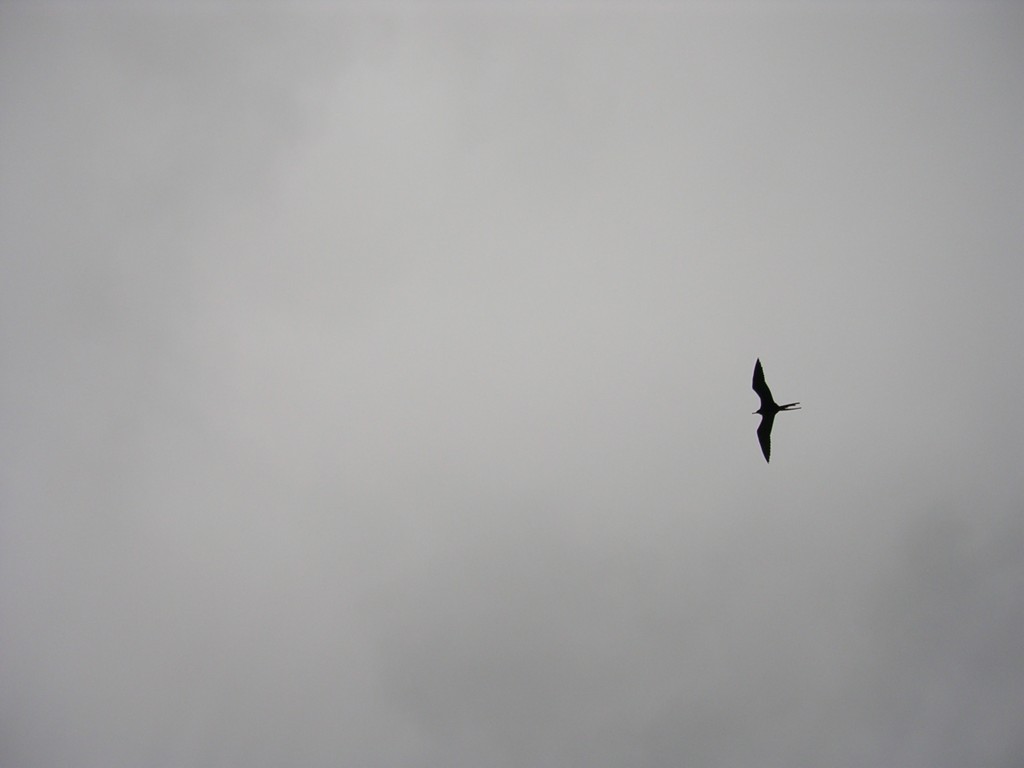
(790, 407)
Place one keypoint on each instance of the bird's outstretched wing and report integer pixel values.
(761, 388)
(764, 434)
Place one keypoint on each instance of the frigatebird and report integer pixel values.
(767, 410)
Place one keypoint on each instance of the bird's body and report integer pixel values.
(767, 410)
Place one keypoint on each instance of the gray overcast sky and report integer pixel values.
(375, 385)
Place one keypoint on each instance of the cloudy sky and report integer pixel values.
(375, 385)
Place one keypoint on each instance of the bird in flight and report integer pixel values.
(767, 410)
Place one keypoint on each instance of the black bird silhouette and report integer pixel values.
(767, 410)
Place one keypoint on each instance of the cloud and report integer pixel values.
(376, 387)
